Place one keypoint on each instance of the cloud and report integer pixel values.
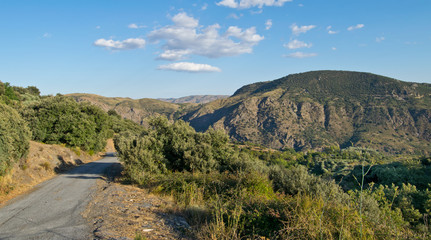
(134, 26)
(295, 44)
(228, 3)
(242, 4)
(380, 39)
(268, 24)
(357, 26)
(330, 31)
(98, 27)
(256, 12)
(301, 55)
(234, 16)
(334, 48)
(189, 67)
(296, 30)
(204, 7)
(131, 43)
(47, 35)
(183, 20)
(185, 37)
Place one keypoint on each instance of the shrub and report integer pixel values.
(14, 138)
(60, 120)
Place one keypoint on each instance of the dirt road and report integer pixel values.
(53, 209)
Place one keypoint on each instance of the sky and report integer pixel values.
(175, 48)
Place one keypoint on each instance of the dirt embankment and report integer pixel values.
(124, 212)
(44, 161)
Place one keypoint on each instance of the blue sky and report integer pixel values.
(174, 48)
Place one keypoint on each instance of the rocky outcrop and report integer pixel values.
(319, 109)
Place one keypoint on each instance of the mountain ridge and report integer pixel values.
(316, 109)
(310, 110)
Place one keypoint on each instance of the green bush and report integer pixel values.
(14, 138)
(61, 120)
(177, 147)
(12, 95)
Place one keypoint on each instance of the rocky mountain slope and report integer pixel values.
(194, 99)
(323, 108)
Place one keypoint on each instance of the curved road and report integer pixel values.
(53, 209)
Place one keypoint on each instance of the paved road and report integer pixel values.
(53, 209)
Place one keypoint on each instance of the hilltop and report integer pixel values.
(322, 108)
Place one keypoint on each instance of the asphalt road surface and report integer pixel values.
(53, 209)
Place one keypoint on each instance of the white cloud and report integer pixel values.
(183, 20)
(98, 27)
(260, 11)
(357, 26)
(295, 44)
(296, 30)
(204, 7)
(228, 3)
(242, 4)
(134, 26)
(47, 35)
(186, 38)
(268, 24)
(234, 16)
(301, 55)
(174, 55)
(189, 67)
(334, 48)
(131, 43)
(331, 31)
(380, 39)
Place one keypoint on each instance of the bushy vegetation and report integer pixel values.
(15, 96)
(235, 192)
(14, 138)
(25, 115)
(61, 120)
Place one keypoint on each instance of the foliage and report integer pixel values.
(175, 147)
(14, 138)
(236, 192)
(12, 95)
(61, 120)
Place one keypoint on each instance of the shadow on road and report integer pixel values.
(96, 170)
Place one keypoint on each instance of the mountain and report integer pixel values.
(194, 99)
(136, 110)
(316, 109)
(309, 110)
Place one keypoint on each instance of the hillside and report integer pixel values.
(134, 109)
(194, 99)
(323, 108)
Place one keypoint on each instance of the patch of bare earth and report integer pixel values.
(123, 212)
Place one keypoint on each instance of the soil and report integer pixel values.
(119, 211)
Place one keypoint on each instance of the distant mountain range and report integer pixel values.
(309, 110)
(136, 110)
(194, 99)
